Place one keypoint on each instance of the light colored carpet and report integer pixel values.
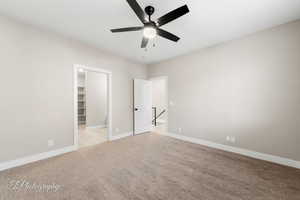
(92, 136)
(154, 167)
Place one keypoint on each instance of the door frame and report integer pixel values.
(76, 68)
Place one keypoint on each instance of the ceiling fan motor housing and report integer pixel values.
(149, 10)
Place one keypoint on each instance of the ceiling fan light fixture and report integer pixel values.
(151, 28)
(150, 32)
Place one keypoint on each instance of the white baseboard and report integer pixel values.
(98, 126)
(245, 152)
(120, 136)
(34, 158)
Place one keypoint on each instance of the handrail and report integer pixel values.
(158, 116)
(154, 120)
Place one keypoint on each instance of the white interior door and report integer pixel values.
(142, 106)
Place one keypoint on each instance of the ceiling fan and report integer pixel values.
(151, 28)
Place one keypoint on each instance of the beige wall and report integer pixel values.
(247, 88)
(96, 99)
(36, 88)
(159, 97)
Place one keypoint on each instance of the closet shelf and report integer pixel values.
(81, 105)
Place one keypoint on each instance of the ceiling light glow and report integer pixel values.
(150, 32)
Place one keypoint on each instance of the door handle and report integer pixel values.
(135, 109)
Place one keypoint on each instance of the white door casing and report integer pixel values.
(142, 106)
(109, 100)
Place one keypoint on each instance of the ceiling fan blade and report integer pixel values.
(138, 10)
(126, 29)
(167, 35)
(173, 15)
(144, 42)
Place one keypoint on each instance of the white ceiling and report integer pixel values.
(209, 22)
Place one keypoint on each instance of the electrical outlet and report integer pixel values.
(228, 138)
(179, 130)
(233, 139)
(50, 143)
(117, 130)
